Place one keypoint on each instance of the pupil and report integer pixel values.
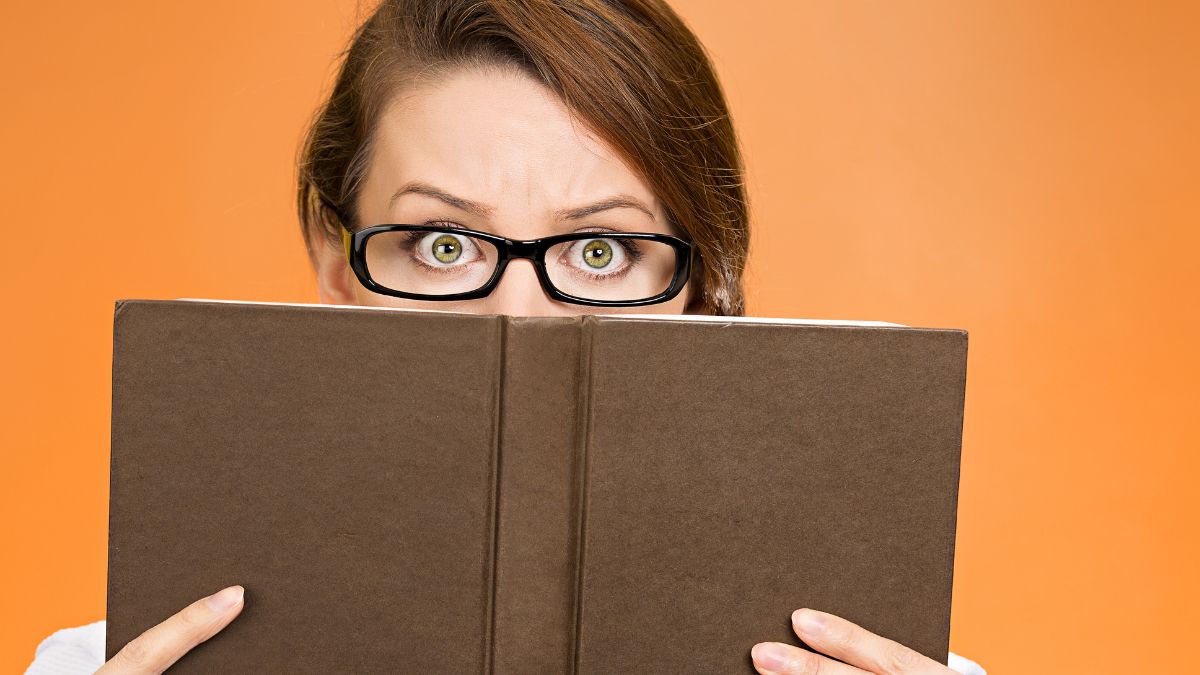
(597, 253)
(446, 248)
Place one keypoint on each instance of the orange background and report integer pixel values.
(1023, 170)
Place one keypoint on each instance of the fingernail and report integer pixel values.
(225, 598)
(809, 620)
(772, 656)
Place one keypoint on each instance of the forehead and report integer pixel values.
(496, 136)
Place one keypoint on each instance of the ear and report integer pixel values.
(335, 279)
(693, 304)
(694, 290)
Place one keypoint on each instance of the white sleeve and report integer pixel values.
(70, 651)
(961, 664)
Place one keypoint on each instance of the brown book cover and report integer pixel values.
(437, 492)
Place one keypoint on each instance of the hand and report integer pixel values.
(862, 651)
(155, 650)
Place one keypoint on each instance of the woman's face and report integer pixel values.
(502, 144)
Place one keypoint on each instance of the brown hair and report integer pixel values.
(630, 69)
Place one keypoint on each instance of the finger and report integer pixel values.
(776, 658)
(860, 647)
(155, 650)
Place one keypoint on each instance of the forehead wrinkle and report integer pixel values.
(514, 142)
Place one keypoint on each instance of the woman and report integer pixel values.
(523, 119)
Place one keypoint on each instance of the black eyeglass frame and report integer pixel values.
(534, 250)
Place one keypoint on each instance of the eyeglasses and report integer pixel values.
(599, 268)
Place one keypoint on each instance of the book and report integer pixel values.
(426, 491)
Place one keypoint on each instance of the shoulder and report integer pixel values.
(70, 651)
(961, 664)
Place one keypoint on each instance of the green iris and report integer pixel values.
(597, 253)
(446, 248)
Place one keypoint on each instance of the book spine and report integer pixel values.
(579, 502)
(537, 508)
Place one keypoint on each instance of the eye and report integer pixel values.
(444, 249)
(447, 248)
(597, 253)
(604, 256)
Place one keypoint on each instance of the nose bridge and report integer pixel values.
(520, 262)
(522, 249)
(523, 271)
(519, 291)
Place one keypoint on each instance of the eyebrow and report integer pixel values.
(420, 188)
(614, 202)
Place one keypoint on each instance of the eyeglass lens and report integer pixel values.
(444, 262)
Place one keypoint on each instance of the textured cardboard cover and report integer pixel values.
(405, 491)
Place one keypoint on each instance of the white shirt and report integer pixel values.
(80, 650)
